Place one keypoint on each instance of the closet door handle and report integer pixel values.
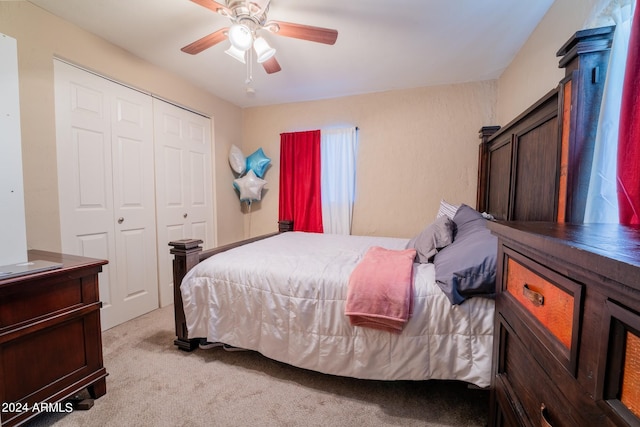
(120, 220)
(184, 216)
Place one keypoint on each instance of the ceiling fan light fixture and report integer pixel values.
(236, 53)
(248, 18)
(264, 52)
(240, 37)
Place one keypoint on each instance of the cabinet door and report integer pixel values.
(104, 140)
(183, 184)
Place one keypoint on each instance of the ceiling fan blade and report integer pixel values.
(206, 42)
(304, 32)
(215, 6)
(271, 65)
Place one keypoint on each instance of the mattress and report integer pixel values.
(285, 297)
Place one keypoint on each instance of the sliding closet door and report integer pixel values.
(183, 184)
(106, 187)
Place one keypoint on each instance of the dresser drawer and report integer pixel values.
(549, 302)
(45, 300)
(524, 383)
(551, 305)
(619, 379)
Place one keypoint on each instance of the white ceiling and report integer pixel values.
(382, 44)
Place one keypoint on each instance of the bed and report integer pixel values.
(285, 295)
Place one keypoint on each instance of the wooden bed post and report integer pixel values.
(186, 255)
(285, 225)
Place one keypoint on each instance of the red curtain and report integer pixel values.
(300, 182)
(629, 134)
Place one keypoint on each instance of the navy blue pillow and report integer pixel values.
(467, 267)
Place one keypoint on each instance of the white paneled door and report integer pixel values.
(105, 154)
(13, 231)
(183, 184)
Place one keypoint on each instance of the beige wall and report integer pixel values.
(416, 147)
(534, 71)
(40, 37)
(420, 145)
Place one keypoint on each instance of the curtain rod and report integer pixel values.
(294, 131)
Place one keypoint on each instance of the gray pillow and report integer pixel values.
(467, 267)
(433, 238)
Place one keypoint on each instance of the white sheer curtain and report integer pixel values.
(602, 200)
(338, 159)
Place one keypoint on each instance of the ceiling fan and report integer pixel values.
(249, 18)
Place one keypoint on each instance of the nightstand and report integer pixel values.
(50, 336)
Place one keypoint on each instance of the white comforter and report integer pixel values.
(285, 298)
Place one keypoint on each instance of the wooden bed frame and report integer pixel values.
(532, 169)
(495, 171)
(187, 253)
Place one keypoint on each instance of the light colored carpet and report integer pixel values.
(152, 383)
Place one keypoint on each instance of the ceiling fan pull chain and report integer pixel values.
(249, 67)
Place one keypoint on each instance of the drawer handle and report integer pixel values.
(544, 422)
(536, 298)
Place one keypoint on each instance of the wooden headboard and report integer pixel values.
(520, 165)
(537, 167)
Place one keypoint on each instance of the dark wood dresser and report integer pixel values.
(567, 347)
(50, 337)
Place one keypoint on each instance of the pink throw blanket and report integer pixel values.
(380, 289)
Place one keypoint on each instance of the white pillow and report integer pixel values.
(447, 209)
